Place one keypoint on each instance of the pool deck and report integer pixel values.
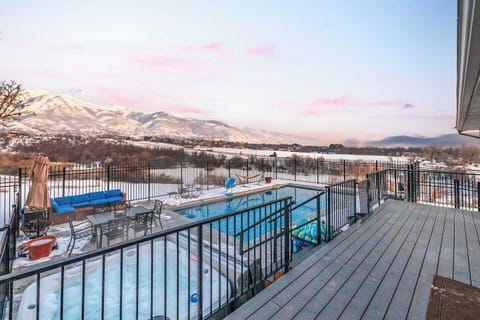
(380, 268)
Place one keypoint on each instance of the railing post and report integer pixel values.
(287, 235)
(317, 171)
(478, 196)
(344, 170)
(328, 236)
(181, 176)
(149, 181)
(247, 170)
(319, 227)
(229, 173)
(368, 194)
(395, 183)
(200, 271)
(276, 168)
(295, 169)
(355, 200)
(376, 165)
(64, 171)
(20, 188)
(108, 177)
(456, 192)
(377, 178)
(207, 174)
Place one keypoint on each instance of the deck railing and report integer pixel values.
(151, 180)
(194, 270)
(341, 206)
(441, 188)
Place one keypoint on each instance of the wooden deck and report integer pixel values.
(382, 267)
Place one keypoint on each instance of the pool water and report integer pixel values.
(233, 226)
(50, 287)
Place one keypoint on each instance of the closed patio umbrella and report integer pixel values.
(37, 197)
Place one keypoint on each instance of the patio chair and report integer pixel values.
(78, 231)
(114, 229)
(142, 223)
(157, 212)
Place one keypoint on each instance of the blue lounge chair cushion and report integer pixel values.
(114, 199)
(99, 201)
(113, 193)
(62, 201)
(61, 209)
(96, 195)
(81, 198)
(81, 204)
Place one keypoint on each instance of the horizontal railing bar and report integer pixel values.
(306, 201)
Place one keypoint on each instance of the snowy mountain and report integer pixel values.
(63, 114)
(446, 140)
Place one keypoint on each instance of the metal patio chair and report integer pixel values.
(157, 212)
(142, 223)
(78, 231)
(114, 229)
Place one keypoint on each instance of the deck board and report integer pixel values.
(473, 246)
(383, 267)
(429, 266)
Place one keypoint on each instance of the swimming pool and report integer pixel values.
(50, 287)
(233, 226)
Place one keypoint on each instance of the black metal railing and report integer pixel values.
(315, 221)
(8, 247)
(341, 206)
(152, 180)
(442, 188)
(194, 270)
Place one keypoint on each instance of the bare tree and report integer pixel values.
(470, 154)
(432, 152)
(11, 102)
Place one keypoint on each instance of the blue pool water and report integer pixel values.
(234, 226)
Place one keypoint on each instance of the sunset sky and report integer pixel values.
(331, 70)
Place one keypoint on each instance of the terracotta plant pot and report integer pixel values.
(40, 247)
(268, 179)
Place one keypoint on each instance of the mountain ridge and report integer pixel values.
(62, 114)
(445, 140)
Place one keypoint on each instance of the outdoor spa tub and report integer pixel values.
(216, 288)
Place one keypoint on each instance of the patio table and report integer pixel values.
(101, 218)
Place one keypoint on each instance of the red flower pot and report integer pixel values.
(268, 179)
(40, 247)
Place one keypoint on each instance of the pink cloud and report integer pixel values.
(169, 63)
(209, 47)
(217, 48)
(329, 105)
(265, 51)
(183, 108)
(71, 48)
(119, 98)
(330, 101)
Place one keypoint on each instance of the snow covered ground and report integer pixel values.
(329, 156)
